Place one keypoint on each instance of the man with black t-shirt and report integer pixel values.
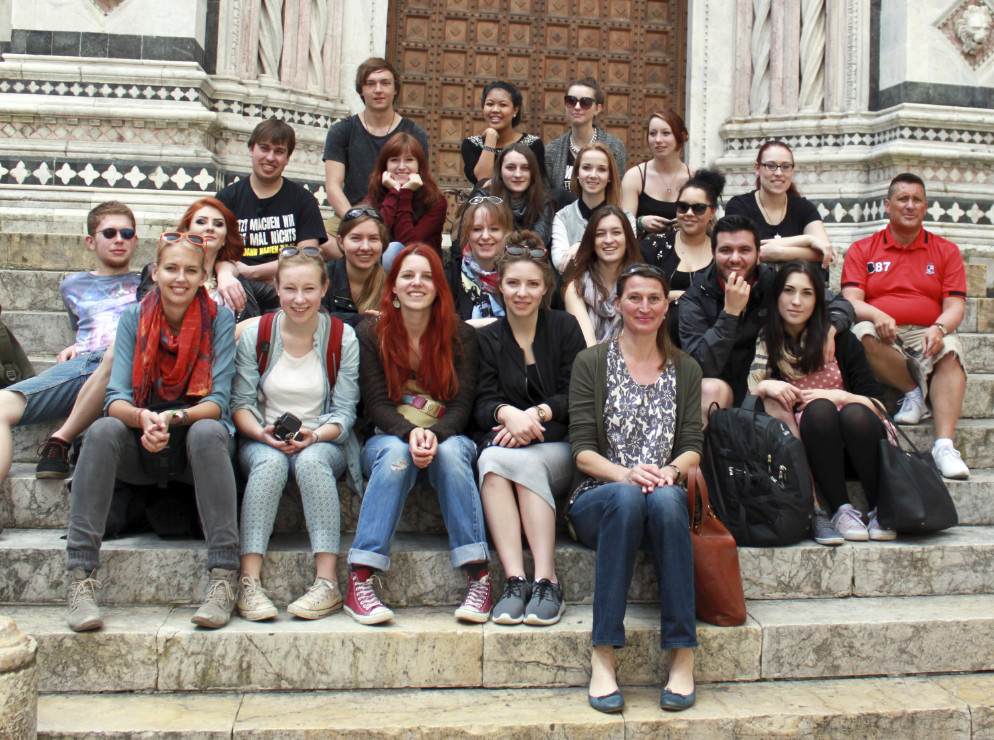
(272, 212)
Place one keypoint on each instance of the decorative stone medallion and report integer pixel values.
(967, 25)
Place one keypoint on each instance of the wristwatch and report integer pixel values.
(542, 416)
(180, 414)
(942, 328)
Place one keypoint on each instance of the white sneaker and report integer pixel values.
(912, 408)
(878, 533)
(950, 463)
(849, 523)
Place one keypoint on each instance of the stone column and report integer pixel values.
(18, 683)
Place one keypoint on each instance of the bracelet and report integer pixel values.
(497, 411)
(942, 328)
(490, 149)
(138, 417)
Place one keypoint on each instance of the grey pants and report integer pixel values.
(111, 451)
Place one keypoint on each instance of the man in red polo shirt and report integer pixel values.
(908, 287)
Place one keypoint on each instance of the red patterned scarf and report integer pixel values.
(168, 367)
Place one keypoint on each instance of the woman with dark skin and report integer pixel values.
(501, 102)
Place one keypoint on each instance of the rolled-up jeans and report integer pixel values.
(615, 519)
(387, 463)
(111, 452)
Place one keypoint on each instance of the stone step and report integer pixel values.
(147, 570)
(952, 707)
(158, 649)
(20, 251)
(40, 332)
(974, 438)
(28, 437)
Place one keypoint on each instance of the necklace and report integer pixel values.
(390, 126)
(576, 149)
(766, 215)
(669, 188)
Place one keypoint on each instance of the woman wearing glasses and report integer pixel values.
(472, 272)
(584, 101)
(295, 381)
(789, 225)
(355, 282)
(516, 182)
(402, 189)
(418, 382)
(501, 103)
(522, 404)
(595, 179)
(608, 247)
(167, 418)
(635, 452)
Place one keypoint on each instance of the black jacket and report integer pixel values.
(338, 300)
(503, 376)
(260, 298)
(725, 345)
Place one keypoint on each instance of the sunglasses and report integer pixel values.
(112, 233)
(516, 250)
(357, 212)
(175, 236)
(476, 200)
(585, 103)
(698, 208)
(306, 251)
(772, 167)
(645, 270)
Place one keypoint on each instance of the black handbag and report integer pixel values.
(912, 497)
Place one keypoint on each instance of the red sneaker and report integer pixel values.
(478, 602)
(363, 604)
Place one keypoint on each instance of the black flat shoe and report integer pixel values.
(673, 702)
(613, 702)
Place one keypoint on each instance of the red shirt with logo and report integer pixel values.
(907, 283)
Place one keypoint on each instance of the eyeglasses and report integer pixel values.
(516, 250)
(698, 208)
(112, 233)
(357, 212)
(175, 236)
(306, 251)
(772, 167)
(645, 270)
(476, 200)
(585, 103)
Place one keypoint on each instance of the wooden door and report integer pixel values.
(447, 50)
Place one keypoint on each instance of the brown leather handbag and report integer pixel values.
(717, 579)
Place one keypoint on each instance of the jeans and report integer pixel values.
(111, 451)
(386, 461)
(614, 519)
(51, 394)
(315, 469)
(390, 254)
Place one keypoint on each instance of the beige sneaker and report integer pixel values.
(253, 600)
(321, 599)
(216, 610)
(83, 612)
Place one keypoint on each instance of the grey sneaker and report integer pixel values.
(320, 600)
(216, 610)
(253, 600)
(849, 522)
(822, 530)
(546, 604)
(84, 615)
(511, 607)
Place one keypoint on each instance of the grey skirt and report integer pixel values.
(545, 468)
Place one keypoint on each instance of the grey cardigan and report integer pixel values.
(557, 154)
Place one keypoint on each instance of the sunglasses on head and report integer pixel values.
(357, 212)
(698, 208)
(516, 250)
(585, 103)
(476, 200)
(175, 236)
(306, 251)
(644, 270)
(112, 233)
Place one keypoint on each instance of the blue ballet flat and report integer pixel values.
(613, 702)
(673, 702)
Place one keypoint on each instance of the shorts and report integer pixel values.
(51, 394)
(910, 345)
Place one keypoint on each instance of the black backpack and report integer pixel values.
(758, 476)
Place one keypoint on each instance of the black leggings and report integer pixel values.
(832, 437)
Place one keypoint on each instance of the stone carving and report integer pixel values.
(316, 37)
(812, 92)
(973, 28)
(107, 5)
(967, 25)
(759, 93)
(271, 38)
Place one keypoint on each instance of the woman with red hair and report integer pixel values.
(418, 365)
(402, 189)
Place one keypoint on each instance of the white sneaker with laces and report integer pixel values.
(950, 463)
(878, 533)
(849, 523)
(913, 408)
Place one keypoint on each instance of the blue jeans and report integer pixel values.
(51, 394)
(614, 519)
(390, 254)
(387, 463)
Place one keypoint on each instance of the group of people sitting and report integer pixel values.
(243, 341)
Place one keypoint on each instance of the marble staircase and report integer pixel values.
(864, 640)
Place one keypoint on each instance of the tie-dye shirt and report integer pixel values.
(95, 303)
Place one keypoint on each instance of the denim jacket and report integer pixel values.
(339, 405)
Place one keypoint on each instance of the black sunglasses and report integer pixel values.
(585, 103)
(697, 208)
(175, 236)
(357, 212)
(112, 233)
(516, 250)
(306, 251)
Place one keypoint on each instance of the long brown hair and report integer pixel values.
(612, 191)
(586, 256)
(398, 145)
(536, 196)
(372, 288)
(233, 247)
(759, 160)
